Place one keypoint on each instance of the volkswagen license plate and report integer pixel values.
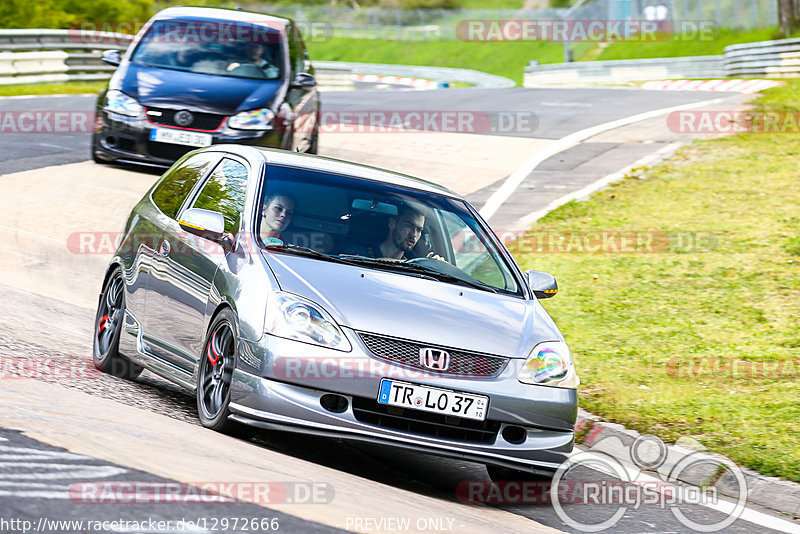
(427, 399)
(180, 137)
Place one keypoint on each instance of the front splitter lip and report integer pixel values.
(269, 404)
(541, 467)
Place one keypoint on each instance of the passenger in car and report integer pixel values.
(404, 231)
(276, 215)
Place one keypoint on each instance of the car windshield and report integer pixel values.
(212, 47)
(330, 217)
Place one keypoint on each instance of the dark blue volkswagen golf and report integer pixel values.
(198, 76)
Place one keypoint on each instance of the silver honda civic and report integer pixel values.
(308, 294)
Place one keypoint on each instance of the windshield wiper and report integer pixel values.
(304, 251)
(421, 270)
(347, 260)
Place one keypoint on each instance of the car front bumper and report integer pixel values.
(126, 139)
(287, 392)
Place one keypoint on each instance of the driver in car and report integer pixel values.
(253, 56)
(404, 231)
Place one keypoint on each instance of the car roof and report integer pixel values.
(212, 13)
(337, 166)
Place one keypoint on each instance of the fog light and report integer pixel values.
(334, 403)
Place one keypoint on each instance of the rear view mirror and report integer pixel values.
(303, 80)
(384, 208)
(205, 223)
(543, 285)
(111, 57)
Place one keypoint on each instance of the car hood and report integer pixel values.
(419, 309)
(225, 95)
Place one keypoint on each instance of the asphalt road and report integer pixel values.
(35, 326)
(517, 112)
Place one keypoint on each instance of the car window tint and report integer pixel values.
(472, 256)
(223, 48)
(224, 192)
(169, 195)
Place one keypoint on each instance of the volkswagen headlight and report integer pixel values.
(119, 102)
(256, 119)
(293, 317)
(550, 364)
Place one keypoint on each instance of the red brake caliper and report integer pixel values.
(103, 323)
(211, 350)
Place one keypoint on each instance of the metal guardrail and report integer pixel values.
(440, 74)
(614, 72)
(41, 56)
(765, 58)
(773, 59)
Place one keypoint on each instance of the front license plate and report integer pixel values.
(427, 399)
(180, 137)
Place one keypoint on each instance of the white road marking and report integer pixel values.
(22, 97)
(524, 223)
(517, 177)
(80, 472)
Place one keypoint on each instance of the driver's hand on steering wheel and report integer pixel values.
(435, 256)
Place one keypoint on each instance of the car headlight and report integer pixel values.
(119, 102)
(256, 119)
(550, 364)
(293, 317)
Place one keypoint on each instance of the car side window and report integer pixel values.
(224, 192)
(169, 194)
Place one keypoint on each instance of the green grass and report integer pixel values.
(71, 88)
(501, 58)
(685, 45)
(683, 341)
(509, 59)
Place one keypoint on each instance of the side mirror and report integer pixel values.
(204, 223)
(303, 80)
(112, 57)
(542, 284)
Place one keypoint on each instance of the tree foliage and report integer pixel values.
(71, 13)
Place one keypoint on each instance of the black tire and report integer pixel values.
(504, 474)
(95, 157)
(215, 372)
(107, 330)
